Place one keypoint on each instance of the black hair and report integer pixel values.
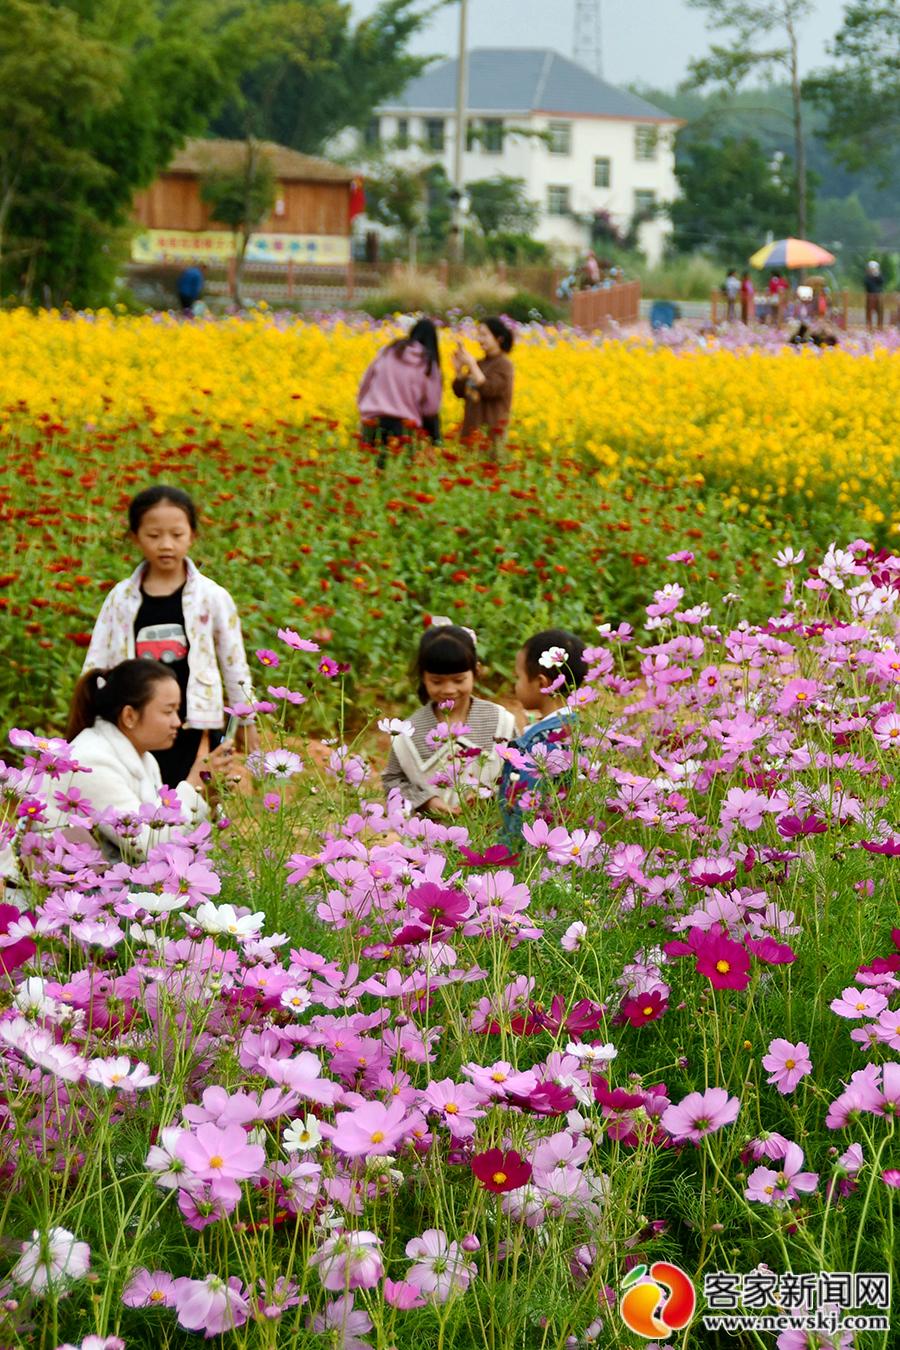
(444, 649)
(105, 693)
(574, 667)
(425, 333)
(152, 496)
(501, 331)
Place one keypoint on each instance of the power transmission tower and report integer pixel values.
(587, 47)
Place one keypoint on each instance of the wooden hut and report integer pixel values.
(309, 224)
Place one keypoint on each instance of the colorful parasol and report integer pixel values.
(791, 253)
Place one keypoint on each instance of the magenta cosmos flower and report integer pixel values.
(371, 1130)
(724, 963)
(296, 642)
(148, 1289)
(699, 1114)
(787, 1064)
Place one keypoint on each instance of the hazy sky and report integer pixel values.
(644, 41)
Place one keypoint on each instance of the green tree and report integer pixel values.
(109, 92)
(42, 49)
(500, 205)
(845, 229)
(730, 198)
(764, 37)
(241, 198)
(860, 95)
(315, 73)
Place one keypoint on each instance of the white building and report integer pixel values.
(600, 149)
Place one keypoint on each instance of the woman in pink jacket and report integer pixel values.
(402, 388)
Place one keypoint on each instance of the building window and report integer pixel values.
(402, 133)
(558, 201)
(434, 133)
(602, 172)
(560, 138)
(646, 140)
(644, 202)
(471, 137)
(492, 136)
(372, 134)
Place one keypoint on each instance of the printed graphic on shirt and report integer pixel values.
(162, 642)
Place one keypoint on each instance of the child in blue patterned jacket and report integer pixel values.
(549, 666)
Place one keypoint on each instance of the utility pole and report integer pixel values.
(462, 94)
(587, 45)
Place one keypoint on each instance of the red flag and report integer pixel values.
(357, 201)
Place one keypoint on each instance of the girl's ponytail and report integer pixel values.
(84, 710)
(104, 693)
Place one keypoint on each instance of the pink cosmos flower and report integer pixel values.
(768, 1187)
(440, 1268)
(858, 1003)
(149, 1290)
(265, 657)
(573, 937)
(797, 694)
(699, 1114)
(296, 642)
(348, 1324)
(458, 1105)
(743, 806)
(349, 1261)
(401, 1295)
(372, 1129)
(211, 1305)
(787, 1064)
(223, 1157)
(891, 1177)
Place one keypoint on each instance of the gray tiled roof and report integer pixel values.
(522, 80)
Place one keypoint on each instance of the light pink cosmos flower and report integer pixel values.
(458, 1105)
(573, 937)
(797, 694)
(858, 1003)
(787, 1064)
(440, 1268)
(211, 1305)
(743, 806)
(50, 1260)
(95, 1343)
(348, 1324)
(223, 1157)
(699, 1114)
(768, 1187)
(149, 1290)
(372, 1129)
(296, 642)
(349, 1261)
(119, 1073)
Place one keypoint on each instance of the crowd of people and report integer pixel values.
(809, 302)
(166, 665)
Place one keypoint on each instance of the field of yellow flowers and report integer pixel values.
(621, 452)
(764, 426)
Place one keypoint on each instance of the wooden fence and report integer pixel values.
(601, 308)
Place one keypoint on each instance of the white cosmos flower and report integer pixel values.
(50, 1259)
(224, 919)
(295, 1000)
(163, 903)
(592, 1054)
(553, 658)
(789, 557)
(396, 726)
(302, 1135)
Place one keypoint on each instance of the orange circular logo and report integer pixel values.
(657, 1302)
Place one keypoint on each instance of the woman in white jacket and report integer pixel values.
(118, 718)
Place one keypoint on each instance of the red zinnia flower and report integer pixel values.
(498, 1171)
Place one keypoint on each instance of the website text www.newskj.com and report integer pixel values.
(819, 1321)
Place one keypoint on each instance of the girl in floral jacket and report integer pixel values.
(169, 611)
